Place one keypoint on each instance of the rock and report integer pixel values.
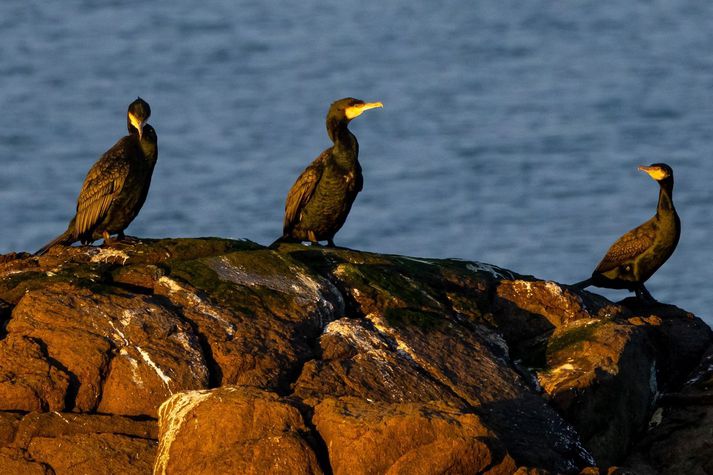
(14, 462)
(94, 453)
(528, 311)
(618, 367)
(258, 311)
(678, 336)
(412, 306)
(124, 353)
(8, 427)
(597, 367)
(29, 379)
(50, 425)
(234, 429)
(407, 438)
(65, 443)
(679, 439)
(604, 358)
(312, 360)
(359, 361)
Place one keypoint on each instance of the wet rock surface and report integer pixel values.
(220, 356)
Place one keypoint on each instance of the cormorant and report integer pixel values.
(117, 184)
(319, 201)
(635, 256)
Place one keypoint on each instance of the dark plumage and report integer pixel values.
(319, 201)
(635, 256)
(116, 186)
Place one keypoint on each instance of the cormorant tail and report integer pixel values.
(66, 238)
(583, 285)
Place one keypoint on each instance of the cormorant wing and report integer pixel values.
(103, 182)
(301, 192)
(629, 246)
(360, 180)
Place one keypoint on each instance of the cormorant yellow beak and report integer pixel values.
(138, 123)
(356, 110)
(656, 173)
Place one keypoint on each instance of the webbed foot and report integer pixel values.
(128, 239)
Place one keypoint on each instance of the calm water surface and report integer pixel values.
(510, 134)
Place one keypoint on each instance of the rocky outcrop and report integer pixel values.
(680, 439)
(219, 356)
(54, 442)
(248, 430)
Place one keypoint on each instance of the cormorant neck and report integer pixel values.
(149, 144)
(132, 130)
(665, 196)
(149, 149)
(342, 138)
(337, 129)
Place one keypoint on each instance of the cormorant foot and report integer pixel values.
(116, 244)
(123, 238)
(330, 243)
(644, 295)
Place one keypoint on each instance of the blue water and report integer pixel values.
(510, 133)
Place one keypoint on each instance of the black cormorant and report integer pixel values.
(319, 201)
(117, 184)
(635, 256)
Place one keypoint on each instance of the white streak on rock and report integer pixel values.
(496, 272)
(119, 333)
(705, 369)
(556, 289)
(184, 342)
(656, 418)
(172, 414)
(170, 284)
(361, 338)
(564, 367)
(135, 376)
(416, 259)
(421, 291)
(553, 288)
(300, 286)
(155, 367)
(110, 255)
(372, 344)
(126, 317)
(494, 338)
(653, 383)
(61, 416)
(401, 346)
(198, 304)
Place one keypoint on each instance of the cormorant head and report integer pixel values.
(349, 108)
(139, 112)
(658, 171)
(344, 110)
